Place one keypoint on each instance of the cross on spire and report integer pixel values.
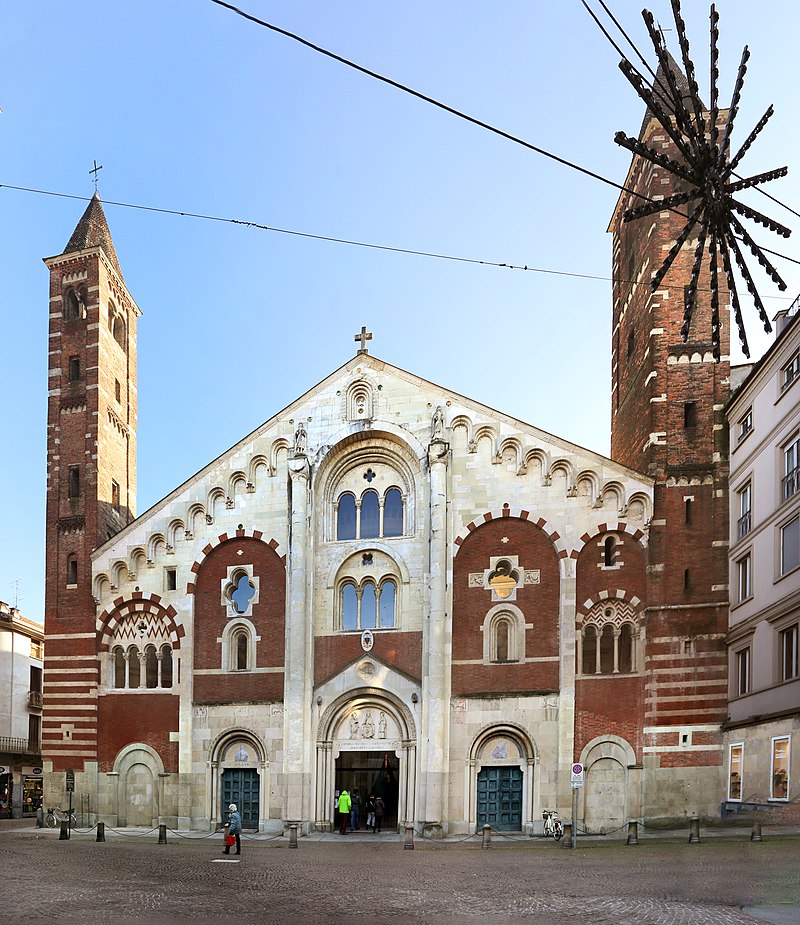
(364, 336)
(94, 170)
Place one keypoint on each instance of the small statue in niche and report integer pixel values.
(354, 726)
(437, 424)
(382, 725)
(300, 440)
(369, 726)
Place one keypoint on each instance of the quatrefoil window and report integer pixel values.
(243, 594)
(240, 591)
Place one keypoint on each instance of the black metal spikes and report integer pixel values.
(706, 185)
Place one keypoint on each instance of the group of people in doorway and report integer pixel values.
(349, 810)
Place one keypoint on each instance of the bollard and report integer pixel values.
(409, 842)
(694, 830)
(162, 834)
(755, 835)
(487, 837)
(292, 834)
(567, 840)
(633, 833)
(40, 818)
(64, 833)
(101, 831)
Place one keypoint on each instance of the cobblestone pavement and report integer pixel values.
(354, 880)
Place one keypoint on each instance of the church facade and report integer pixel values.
(389, 586)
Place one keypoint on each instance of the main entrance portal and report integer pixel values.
(370, 772)
(240, 786)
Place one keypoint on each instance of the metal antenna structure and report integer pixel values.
(705, 174)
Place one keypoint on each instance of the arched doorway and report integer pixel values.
(609, 796)
(502, 781)
(140, 776)
(367, 739)
(240, 775)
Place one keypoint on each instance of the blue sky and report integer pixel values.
(189, 107)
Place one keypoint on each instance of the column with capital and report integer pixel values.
(297, 745)
(438, 645)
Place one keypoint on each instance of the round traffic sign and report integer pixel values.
(577, 769)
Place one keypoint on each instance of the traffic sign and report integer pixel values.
(576, 775)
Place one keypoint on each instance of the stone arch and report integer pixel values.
(587, 484)
(119, 574)
(639, 508)
(608, 799)
(140, 773)
(102, 586)
(281, 445)
(561, 471)
(196, 514)
(520, 514)
(610, 526)
(175, 532)
(223, 758)
(343, 704)
(377, 448)
(236, 483)
(138, 559)
(156, 545)
(215, 503)
(535, 458)
(146, 604)
(486, 432)
(223, 538)
(510, 613)
(462, 422)
(498, 746)
(511, 445)
(256, 463)
(359, 400)
(613, 495)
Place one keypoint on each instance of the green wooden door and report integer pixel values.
(240, 786)
(500, 799)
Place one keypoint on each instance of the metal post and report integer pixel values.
(63, 834)
(292, 834)
(574, 817)
(69, 817)
(409, 842)
(162, 834)
(755, 835)
(567, 840)
(101, 831)
(487, 837)
(694, 830)
(633, 833)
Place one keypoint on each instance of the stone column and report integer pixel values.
(437, 642)
(297, 742)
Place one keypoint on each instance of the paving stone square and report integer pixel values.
(357, 879)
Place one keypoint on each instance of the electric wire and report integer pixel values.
(458, 113)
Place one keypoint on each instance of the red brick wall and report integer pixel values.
(268, 617)
(591, 578)
(147, 718)
(609, 706)
(400, 650)
(538, 602)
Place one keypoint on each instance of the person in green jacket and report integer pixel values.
(344, 811)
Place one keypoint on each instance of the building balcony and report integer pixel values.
(35, 700)
(790, 483)
(11, 745)
(744, 523)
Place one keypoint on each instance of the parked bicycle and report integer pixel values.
(54, 817)
(552, 824)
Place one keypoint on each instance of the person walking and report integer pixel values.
(371, 812)
(355, 810)
(380, 809)
(344, 811)
(234, 827)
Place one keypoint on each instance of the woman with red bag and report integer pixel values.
(233, 830)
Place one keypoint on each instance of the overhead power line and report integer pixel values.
(259, 226)
(479, 122)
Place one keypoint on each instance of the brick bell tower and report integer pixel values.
(668, 422)
(91, 479)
